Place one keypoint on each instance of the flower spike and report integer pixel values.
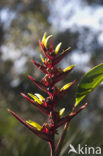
(47, 104)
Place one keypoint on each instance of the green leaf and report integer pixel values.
(89, 82)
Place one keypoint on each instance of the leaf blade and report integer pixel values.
(89, 82)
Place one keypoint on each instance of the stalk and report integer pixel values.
(61, 140)
(52, 147)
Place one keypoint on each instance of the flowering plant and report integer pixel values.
(47, 105)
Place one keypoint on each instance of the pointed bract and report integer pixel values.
(38, 106)
(70, 116)
(45, 51)
(61, 56)
(39, 66)
(39, 84)
(38, 133)
(61, 76)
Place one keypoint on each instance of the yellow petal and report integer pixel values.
(58, 48)
(35, 98)
(42, 58)
(65, 86)
(61, 111)
(69, 68)
(44, 38)
(41, 98)
(34, 124)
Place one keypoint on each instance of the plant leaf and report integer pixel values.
(89, 82)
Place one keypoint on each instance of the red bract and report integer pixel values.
(42, 68)
(48, 85)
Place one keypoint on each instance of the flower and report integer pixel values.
(47, 105)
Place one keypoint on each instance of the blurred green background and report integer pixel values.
(76, 23)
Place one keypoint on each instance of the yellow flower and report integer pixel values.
(36, 99)
(41, 98)
(66, 86)
(69, 68)
(57, 48)
(61, 111)
(42, 58)
(45, 39)
(34, 124)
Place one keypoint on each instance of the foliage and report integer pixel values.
(89, 82)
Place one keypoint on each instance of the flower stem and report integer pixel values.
(61, 140)
(52, 147)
